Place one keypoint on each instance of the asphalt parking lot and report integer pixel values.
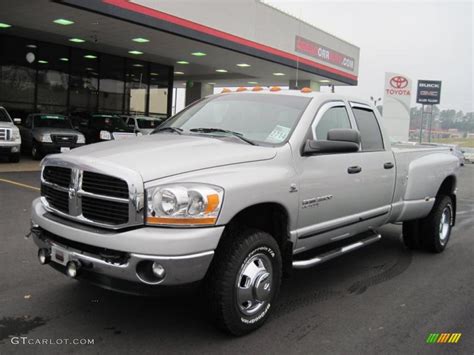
(381, 299)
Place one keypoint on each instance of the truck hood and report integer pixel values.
(165, 154)
(47, 130)
(6, 125)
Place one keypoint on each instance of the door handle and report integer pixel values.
(388, 165)
(354, 169)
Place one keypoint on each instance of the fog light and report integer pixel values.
(44, 256)
(158, 270)
(15, 149)
(72, 268)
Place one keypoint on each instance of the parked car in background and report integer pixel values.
(468, 155)
(142, 124)
(99, 127)
(10, 139)
(44, 133)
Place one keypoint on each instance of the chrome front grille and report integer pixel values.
(104, 185)
(91, 197)
(5, 134)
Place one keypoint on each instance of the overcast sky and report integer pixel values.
(421, 39)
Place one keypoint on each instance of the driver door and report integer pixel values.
(331, 188)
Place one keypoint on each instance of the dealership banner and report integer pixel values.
(428, 92)
(396, 105)
(312, 49)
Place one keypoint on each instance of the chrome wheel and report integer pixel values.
(445, 225)
(254, 284)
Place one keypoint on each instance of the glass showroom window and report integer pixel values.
(136, 87)
(112, 84)
(17, 70)
(158, 98)
(84, 82)
(53, 78)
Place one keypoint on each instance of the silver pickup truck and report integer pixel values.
(236, 191)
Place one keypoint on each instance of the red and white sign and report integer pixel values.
(396, 105)
(305, 46)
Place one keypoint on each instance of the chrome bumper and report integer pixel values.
(185, 254)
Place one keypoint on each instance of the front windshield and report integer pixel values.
(108, 122)
(148, 122)
(4, 117)
(52, 121)
(260, 118)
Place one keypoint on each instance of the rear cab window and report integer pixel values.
(368, 126)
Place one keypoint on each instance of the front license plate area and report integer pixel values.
(59, 255)
(65, 149)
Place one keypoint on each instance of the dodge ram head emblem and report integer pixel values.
(399, 82)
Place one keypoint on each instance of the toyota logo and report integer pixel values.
(399, 82)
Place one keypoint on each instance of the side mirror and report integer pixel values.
(339, 140)
(17, 120)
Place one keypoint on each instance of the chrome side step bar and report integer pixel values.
(304, 264)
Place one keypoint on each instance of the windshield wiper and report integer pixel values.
(171, 129)
(218, 130)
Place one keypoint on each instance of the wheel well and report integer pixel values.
(447, 187)
(271, 218)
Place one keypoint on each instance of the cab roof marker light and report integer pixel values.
(257, 88)
(240, 89)
(275, 88)
(306, 90)
(225, 90)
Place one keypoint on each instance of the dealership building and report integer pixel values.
(126, 56)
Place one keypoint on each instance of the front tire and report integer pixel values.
(244, 281)
(14, 158)
(35, 152)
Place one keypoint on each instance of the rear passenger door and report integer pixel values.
(378, 165)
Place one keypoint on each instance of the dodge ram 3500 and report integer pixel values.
(235, 191)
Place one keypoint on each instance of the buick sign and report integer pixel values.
(428, 92)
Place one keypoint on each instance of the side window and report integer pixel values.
(370, 135)
(335, 117)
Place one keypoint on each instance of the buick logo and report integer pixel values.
(399, 82)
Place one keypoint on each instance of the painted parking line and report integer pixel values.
(20, 184)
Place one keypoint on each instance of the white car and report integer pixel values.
(143, 124)
(10, 139)
(468, 155)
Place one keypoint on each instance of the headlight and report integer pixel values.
(46, 138)
(81, 139)
(184, 204)
(15, 134)
(105, 135)
(139, 134)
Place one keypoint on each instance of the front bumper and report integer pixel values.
(51, 148)
(185, 254)
(8, 148)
